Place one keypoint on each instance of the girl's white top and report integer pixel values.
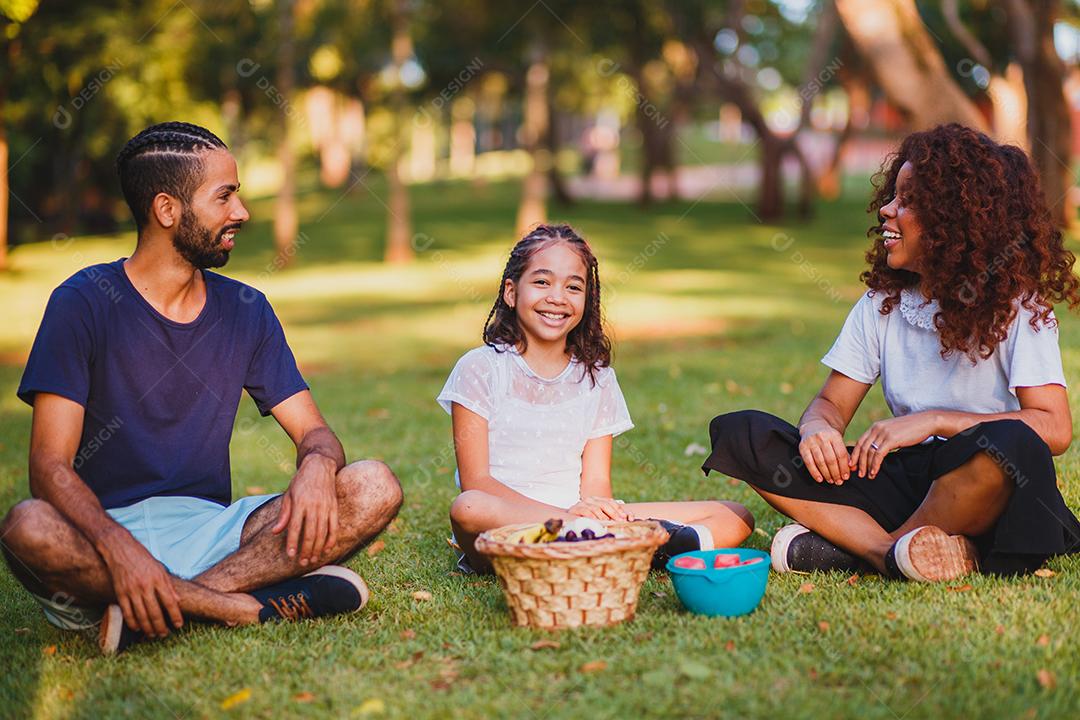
(904, 350)
(537, 427)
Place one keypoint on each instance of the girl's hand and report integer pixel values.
(884, 436)
(822, 449)
(600, 508)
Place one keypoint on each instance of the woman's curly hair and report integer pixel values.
(587, 342)
(988, 240)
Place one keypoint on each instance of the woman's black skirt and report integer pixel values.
(763, 450)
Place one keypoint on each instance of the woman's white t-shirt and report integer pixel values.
(903, 349)
(537, 427)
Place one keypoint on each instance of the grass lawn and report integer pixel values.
(711, 313)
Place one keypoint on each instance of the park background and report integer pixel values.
(718, 155)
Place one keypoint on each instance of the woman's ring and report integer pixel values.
(874, 445)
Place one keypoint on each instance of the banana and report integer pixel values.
(530, 534)
(548, 532)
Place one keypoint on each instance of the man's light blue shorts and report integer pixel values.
(187, 535)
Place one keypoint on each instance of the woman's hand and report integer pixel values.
(884, 436)
(600, 508)
(822, 449)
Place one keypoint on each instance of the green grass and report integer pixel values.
(709, 317)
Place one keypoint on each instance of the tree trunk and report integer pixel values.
(1049, 125)
(286, 221)
(555, 178)
(4, 190)
(1005, 92)
(533, 208)
(399, 219)
(905, 62)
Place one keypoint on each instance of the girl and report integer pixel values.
(958, 323)
(536, 407)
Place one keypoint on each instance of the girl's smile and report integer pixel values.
(549, 299)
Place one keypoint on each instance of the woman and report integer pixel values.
(958, 323)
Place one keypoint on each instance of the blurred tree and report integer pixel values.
(399, 222)
(905, 62)
(16, 13)
(1031, 23)
(286, 220)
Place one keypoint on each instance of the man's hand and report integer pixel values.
(600, 508)
(143, 587)
(309, 509)
(822, 450)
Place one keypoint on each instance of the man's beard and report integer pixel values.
(196, 243)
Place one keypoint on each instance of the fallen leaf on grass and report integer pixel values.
(545, 645)
(730, 646)
(372, 706)
(733, 482)
(959, 588)
(787, 388)
(1000, 629)
(394, 527)
(658, 594)
(304, 697)
(890, 615)
(378, 413)
(806, 588)
(853, 580)
(1043, 641)
(421, 595)
(447, 675)
(49, 649)
(823, 626)
(255, 490)
(759, 531)
(237, 698)
(644, 637)
(1045, 573)
(593, 666)
(812, 673)
(375, 548)
(409, 634)
(1046, 679)
(22, 631)
(413, 659)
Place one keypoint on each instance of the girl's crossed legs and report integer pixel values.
(475, 511)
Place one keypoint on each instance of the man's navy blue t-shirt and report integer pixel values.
(160, 396)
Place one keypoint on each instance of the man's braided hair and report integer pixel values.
(164, 158)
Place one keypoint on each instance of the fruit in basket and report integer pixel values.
(538, 533)
(581, 528)
(725, 560)
(690, 563)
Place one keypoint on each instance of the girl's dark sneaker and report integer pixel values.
(796, 549)
(681, 538)
(929, 554)
(330, 590)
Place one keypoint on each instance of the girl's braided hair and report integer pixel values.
(587, 341)
(164, 158)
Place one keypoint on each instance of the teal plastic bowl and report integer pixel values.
(728, 591)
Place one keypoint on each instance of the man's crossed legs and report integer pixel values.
(51, 557)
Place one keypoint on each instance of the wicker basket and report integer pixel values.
(569, 584)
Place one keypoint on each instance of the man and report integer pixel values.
(135, 378)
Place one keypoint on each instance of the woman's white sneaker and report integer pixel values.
(929, 554)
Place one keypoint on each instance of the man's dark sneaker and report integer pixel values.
(929, 554)
(330, 590)
(681, 538)
(114, 636)
(796, 549)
